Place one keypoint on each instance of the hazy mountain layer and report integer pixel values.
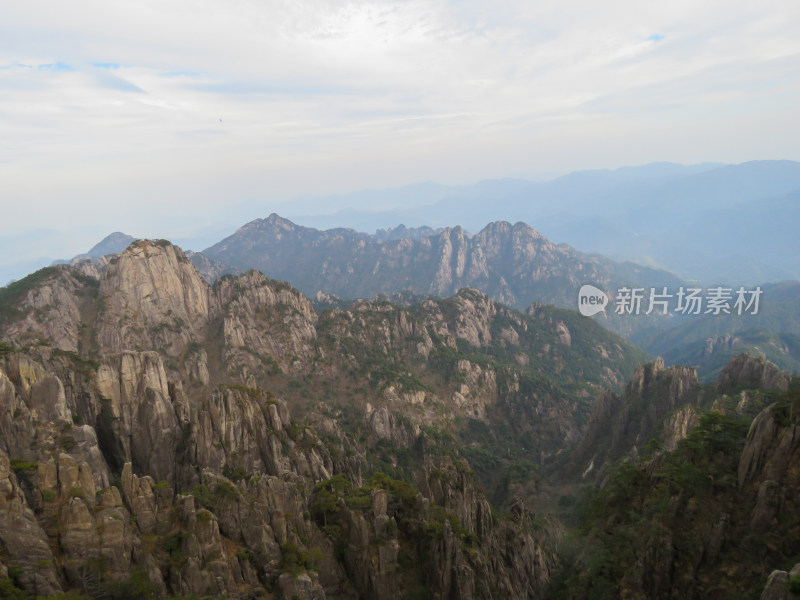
(708, 342)
(512, 264)
(716, 223)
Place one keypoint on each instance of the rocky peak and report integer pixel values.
(265, 320)
(512, 263)
(47, 305)
(153, 297)
(748, 371)
(631, 420)
(402, 232)
(111, 244)
(277, 221)
(524, 228)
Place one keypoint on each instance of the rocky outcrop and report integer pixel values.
(22, 541)
(511, 263)
(770, 463)
(52, 309)
(179, 442)
(265, 323)
(777, 587)
(199, 474)
(141, 523)
(658, 403)
(747, 371)
(152, 297)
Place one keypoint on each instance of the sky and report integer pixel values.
(184, 120)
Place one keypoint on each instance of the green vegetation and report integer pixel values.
(12, 294)
(663, 514)
(161, 487)
(23, 467)
(9, 591)
(172, 545)
(84, 366)
(416, 526)
(794, 584)
(236, 473)
(203, 496)
(136, 587)
(295, 560)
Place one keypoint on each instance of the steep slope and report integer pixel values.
(161, 436)
(709, 507)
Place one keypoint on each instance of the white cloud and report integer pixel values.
(156, 111)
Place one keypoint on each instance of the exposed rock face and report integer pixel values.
(141, 523)
(513, 264)
(631, 420)
(777, 587)
(665, 404)
(746, 371)
(231, 441)
(770, 464)
(22, 538)
(140, 440)
(265, 321)
(152, 297)
(678, 425)
(710, 508)
(52, 309)
(90, 520)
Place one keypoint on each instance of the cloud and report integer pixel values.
(110, 111)
(106, 80)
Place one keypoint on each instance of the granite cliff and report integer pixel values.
(163, 437)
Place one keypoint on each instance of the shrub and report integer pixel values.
(204, 516)
(225, 489)
(10, 591)
(203, 496)
(294, 560)
(243, 555)
(137, 587)
(235, 473)
(794, 584)
(23, 467)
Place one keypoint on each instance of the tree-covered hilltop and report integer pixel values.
(710, 517)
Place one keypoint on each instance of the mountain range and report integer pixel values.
(513, 264)
(732, 224)
(164, 437)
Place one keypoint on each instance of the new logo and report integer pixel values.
(591, 300)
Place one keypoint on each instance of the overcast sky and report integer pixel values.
(160, 118)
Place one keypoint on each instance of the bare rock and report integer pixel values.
(23, 538)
